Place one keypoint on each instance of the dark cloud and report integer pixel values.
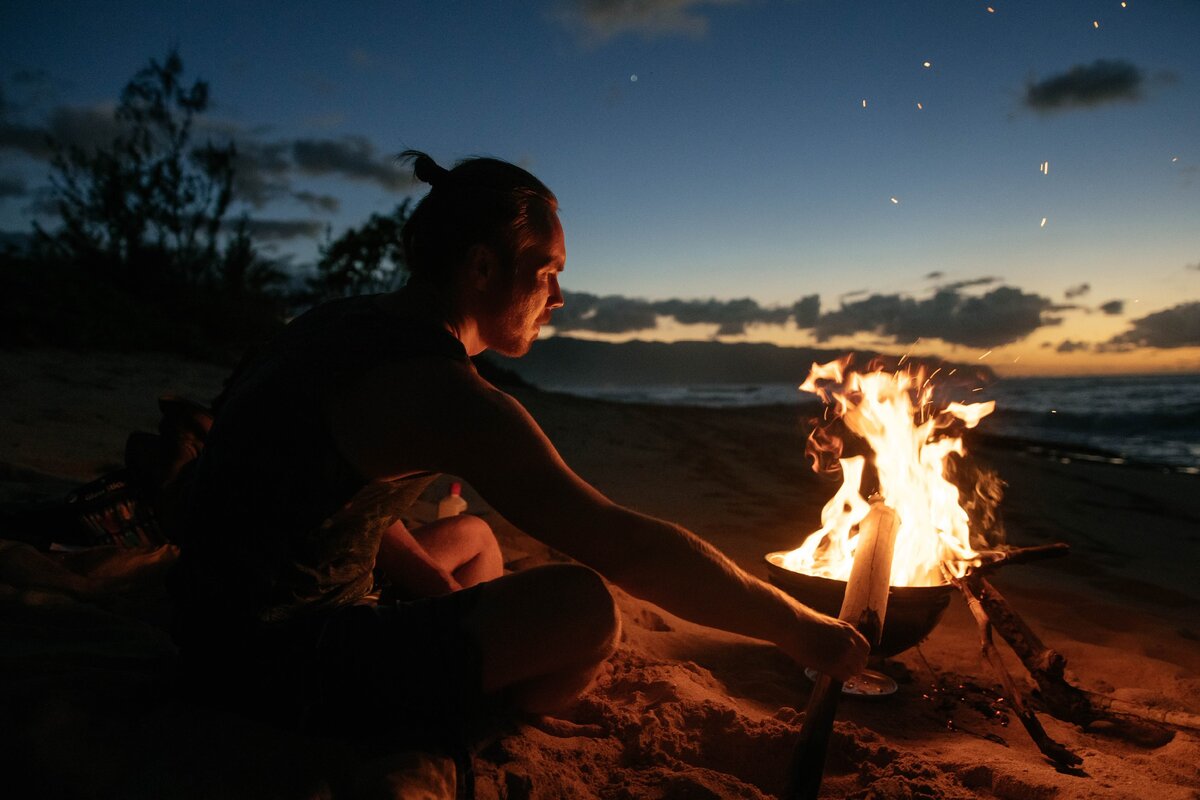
(278, 230)
(730, 316)
(12, 187)
(1079, 290)
(807, 311)
(87, 128)
(998, 317)
(1069, 346)
(1113, 307)
(604, 19)
(1001, 316)
(967, 284)
(34, 88)
(71, 126)
(1085, 86)
(609, 314)
(1195, 266)
(26, 139)
(617, 314)
(261, 171)
(351, 156)
(318, 202)
(1173, 327)
(936, 275)
(264, 169)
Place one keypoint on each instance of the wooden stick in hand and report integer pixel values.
(864, 606)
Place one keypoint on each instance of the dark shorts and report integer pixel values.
(400, 671)
(407, 664)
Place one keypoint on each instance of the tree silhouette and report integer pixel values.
(363, 260)
(149, 207)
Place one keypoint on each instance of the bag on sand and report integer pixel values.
(159, 466)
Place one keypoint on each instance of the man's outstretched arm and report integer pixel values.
(460, 424)
(516, 468)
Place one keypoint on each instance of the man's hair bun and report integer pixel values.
(425, 169)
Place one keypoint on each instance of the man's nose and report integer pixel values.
(556, 298)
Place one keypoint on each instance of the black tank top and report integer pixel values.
(280, 525)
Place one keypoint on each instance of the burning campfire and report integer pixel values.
(910, 439)
(891, 562)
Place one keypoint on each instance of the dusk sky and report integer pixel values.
(1022, 178)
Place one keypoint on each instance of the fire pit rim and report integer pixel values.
(913, 611)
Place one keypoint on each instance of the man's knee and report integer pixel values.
(587, 601)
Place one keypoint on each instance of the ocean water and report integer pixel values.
(1144, 419)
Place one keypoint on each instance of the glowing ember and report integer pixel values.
(926, 64)
(895, 201)
(894, 414)
(1045, 168)
(864, 102)
(1043, 222)
(919, 106)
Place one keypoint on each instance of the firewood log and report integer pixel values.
(864, 606)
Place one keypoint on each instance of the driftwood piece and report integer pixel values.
(1052, 749)
(864, 606)
(1176, 719)
(1046, 665)
(1020, 555)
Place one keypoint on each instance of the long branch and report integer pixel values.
(1052, 749)
(1047, 666)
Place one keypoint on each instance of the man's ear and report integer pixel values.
(482, 267)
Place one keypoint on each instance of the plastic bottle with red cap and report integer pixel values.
(452, 504)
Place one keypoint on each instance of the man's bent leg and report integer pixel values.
(440, 557)
(543, 634)
(464, 546)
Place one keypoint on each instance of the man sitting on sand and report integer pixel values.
(323, 440)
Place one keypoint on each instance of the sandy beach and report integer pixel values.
(682, 711)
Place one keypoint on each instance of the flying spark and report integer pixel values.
(1123, 4)
(1174, 159)
(895, 201)
(920, 107)
(927, 65)
(991, 10)
(1043, 222)
(1095, 23)
(1045, 168)
(864, 102)
(985, 355)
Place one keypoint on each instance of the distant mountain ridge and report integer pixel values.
(567, 361)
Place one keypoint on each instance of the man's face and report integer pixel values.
(524, 303)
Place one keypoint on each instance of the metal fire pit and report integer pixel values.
(912, 611)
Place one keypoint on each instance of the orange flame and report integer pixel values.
(909, 443)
